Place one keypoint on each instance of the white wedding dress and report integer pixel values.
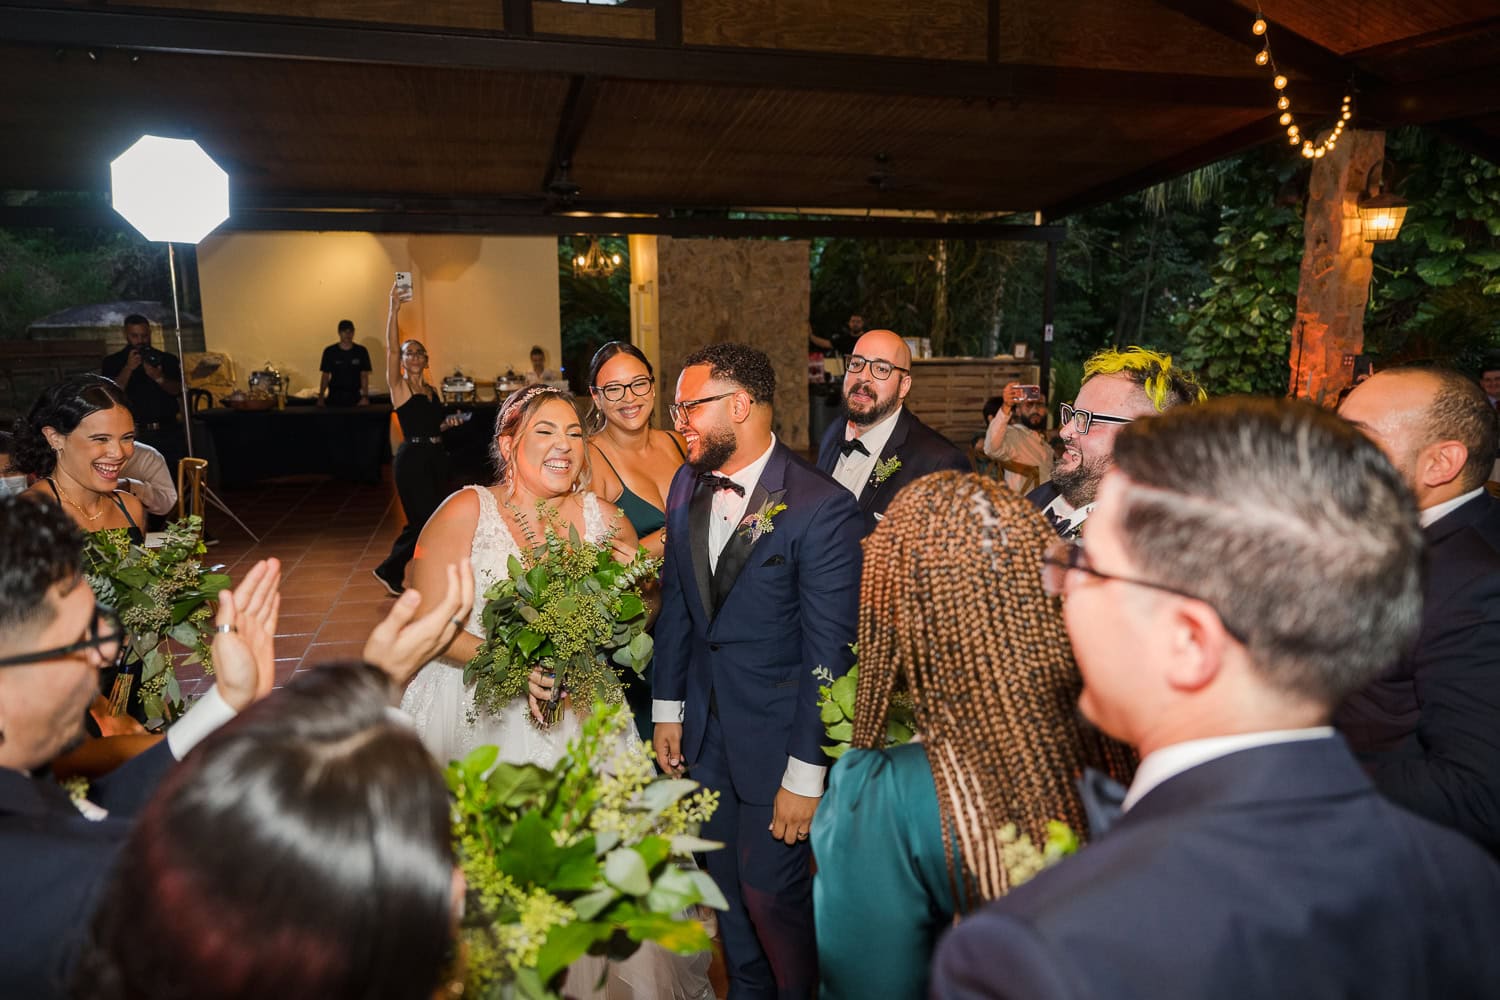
(440, 705)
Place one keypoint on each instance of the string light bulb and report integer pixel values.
(1310, 149)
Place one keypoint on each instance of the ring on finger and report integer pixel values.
(225, 629)
(459, 622)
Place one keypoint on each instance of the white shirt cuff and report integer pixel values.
(667, 711)
(207, 714)
(802, 778)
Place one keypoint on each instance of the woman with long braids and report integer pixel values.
(952, 611)
(421, 464)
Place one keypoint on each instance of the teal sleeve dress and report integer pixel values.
(881, 896)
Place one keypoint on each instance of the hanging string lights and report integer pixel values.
(1311, 150)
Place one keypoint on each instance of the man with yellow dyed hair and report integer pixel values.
(1118, 388)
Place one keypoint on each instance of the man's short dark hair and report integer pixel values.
(136, 319)
(345, 324)
(992, 407)
(1460, 411)
(741, 364)
(1290, 523)
(40, 547)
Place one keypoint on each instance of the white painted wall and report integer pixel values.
(481, 301)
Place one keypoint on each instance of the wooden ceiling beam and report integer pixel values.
(246, 37)
(538, 223)
(1293, 51)
(583, 97)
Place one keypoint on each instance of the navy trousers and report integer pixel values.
(770, 946)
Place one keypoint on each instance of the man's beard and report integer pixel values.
(1033, 421)
(877, 411)
(1079, 485)
(714, 449)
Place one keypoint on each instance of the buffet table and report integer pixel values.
(346, 442)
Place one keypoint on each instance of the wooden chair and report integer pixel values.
(199, 399)
(190, 486)
(1030, 474)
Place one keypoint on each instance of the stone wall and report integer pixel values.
(755, 292)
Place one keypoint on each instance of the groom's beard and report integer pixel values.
(714, 449)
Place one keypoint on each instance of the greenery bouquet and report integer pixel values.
(160, 594)
(568, 608)
(589, 857)
(836, 709)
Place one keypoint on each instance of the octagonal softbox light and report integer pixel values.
(169, 189)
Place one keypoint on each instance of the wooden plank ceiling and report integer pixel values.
(534, 107)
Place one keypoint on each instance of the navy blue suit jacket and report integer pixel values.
(1275, 872)
(1429, 730)
(753, 633)
(54, 862)
(921, 449)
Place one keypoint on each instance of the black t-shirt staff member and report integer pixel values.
(346, 371)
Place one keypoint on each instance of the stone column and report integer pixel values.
(1329, 329)
(755, 292)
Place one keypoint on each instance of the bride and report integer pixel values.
(541, 456)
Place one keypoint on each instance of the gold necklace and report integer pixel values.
(76, 505)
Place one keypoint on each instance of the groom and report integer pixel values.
(759, 589)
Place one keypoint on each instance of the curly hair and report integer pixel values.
(515, 416)
(953, 611)
(62, 407)
(1166, 386)
(741, 364)
(40, 547)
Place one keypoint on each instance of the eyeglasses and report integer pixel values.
(615, 391)
(683, 410)
(105, 631)
(1082, 420)
(881, 370)
(1064, 555)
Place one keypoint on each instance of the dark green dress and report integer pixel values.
(881, 897)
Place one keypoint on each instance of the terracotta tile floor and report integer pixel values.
(329, 536)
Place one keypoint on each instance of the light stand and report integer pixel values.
(171, 191)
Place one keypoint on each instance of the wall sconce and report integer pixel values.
(1380, 213)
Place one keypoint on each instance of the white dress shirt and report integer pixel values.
(151, 480)
(1074, 516)
(854, 470)
(800, 777)
(1431, 515)
(1168, 762)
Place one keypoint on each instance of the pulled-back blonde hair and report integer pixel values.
(513, 419)
(952, 609)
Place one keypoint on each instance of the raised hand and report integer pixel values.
(244, 645)
(402, 643)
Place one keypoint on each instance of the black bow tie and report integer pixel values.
(853, 444)
(1103, 798)
(714, 481)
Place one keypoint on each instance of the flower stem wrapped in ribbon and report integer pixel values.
(568, 608)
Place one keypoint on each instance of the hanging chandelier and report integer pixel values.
(594, 262)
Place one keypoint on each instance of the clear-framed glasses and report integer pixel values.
(1065, 555)
(683, 410)
(1082, 420)
(615, 391)
(105, 635)
(881, 370)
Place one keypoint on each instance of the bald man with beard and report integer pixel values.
(880, 446)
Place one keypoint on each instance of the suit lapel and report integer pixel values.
(700, 509)
(828, 455)
(893, 445)
(767, 493)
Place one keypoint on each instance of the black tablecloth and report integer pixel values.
(346, 442)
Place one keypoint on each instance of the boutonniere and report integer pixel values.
(759, 523)
(885, 470)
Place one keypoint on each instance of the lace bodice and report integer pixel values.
(493, 545)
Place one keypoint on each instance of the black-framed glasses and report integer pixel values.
(684, 409)
(1082, 420)
(105, 631)
(881, 370)
(615, 391)
(1064, 555)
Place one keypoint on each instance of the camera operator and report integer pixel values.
(152, 381)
